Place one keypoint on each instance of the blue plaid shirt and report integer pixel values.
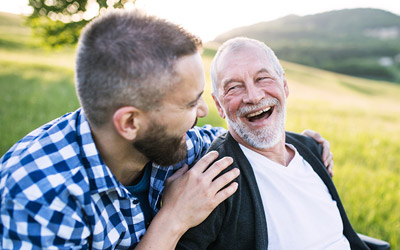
(56, 192)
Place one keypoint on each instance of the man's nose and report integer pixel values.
(253, 94)
(202, 110)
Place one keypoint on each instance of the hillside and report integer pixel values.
(359, 42)
(360, 118)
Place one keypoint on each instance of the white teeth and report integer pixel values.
(258, 112)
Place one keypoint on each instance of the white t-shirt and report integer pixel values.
(299, 210)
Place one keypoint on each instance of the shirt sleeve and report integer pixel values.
(31, 224)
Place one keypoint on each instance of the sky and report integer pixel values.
(209, 18)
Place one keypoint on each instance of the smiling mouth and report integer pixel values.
(261, 114)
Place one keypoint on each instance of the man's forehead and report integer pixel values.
(241, 66)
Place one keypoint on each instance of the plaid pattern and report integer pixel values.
(198, 140)
(56, 192)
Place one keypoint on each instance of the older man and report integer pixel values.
(286, 198)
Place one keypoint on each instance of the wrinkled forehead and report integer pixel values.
(246, 58)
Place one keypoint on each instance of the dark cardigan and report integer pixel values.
(239, 222)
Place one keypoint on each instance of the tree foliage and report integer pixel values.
(59, 22)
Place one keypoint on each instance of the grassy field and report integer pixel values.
(36, 84)
(360, 118)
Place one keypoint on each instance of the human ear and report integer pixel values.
(219, 108)
(127, 122)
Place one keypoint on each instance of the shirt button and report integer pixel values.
(135, 202)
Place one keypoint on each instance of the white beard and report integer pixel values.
(265, 137)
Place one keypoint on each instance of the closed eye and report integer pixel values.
(193, 104)
(264, 78)
(232, 87)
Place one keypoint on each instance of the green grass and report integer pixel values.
(360, 118)
(32, 95)
(36, 84)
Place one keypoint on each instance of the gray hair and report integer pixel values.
(127, 58)
(236, 44)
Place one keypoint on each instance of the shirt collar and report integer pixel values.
(100, 176)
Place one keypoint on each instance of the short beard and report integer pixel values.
(266, 137)
(160, 147)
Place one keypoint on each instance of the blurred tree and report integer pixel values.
(59, 22)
